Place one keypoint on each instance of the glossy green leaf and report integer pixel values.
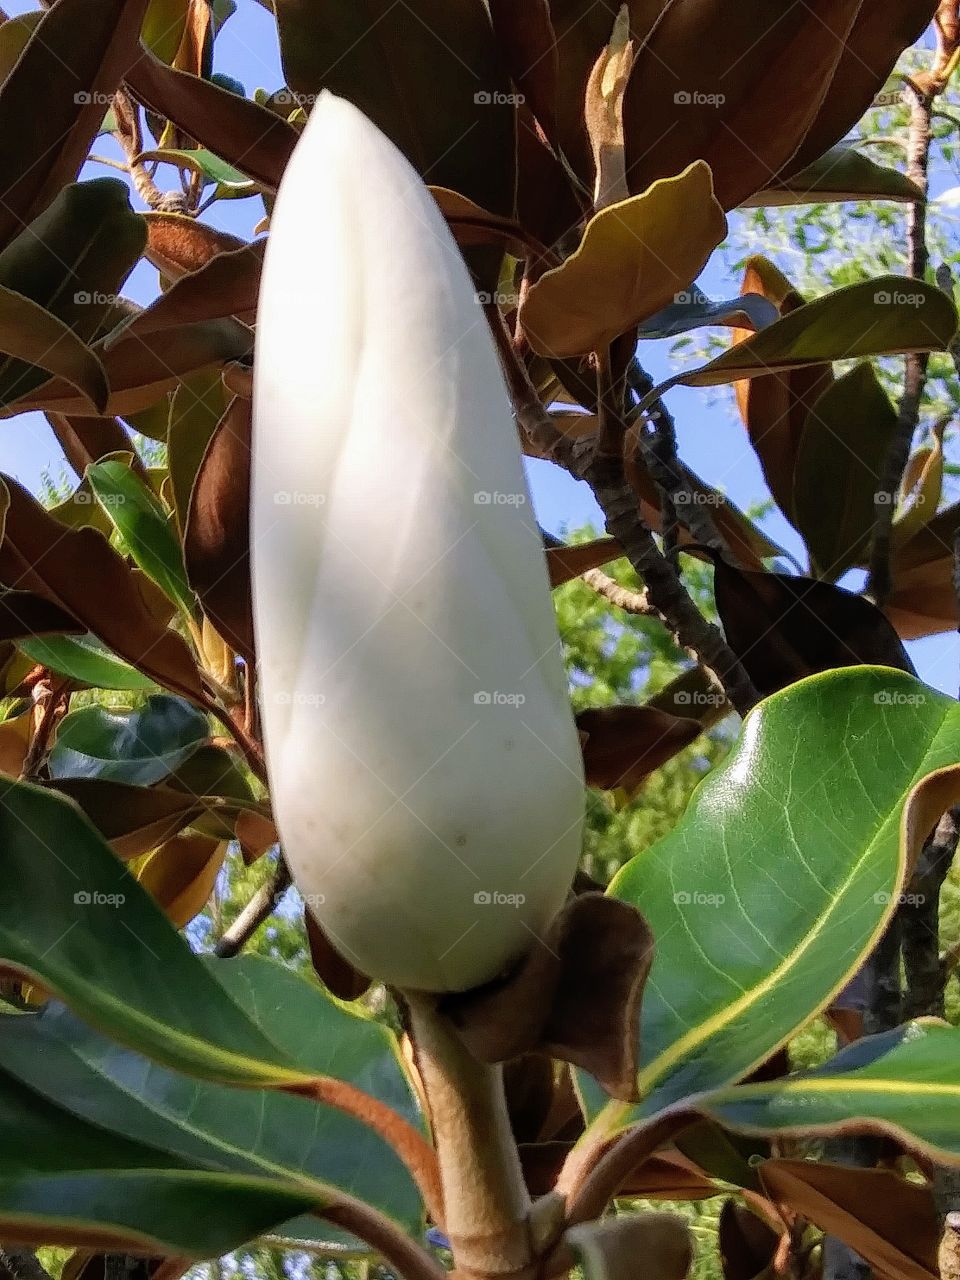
(139, 746)
(287, 1140)
(73, 918)
(67, 1181)
(880, 317)
(207, 165)
(782, 873)
(85, 659)
(842, 173)
(904, 1082)
(144, 528)
(839, 468)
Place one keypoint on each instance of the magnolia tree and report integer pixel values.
(303, 579)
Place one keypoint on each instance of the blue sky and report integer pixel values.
(711, 437)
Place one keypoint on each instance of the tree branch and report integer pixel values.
(261, 905)
(605, 475)
(908, 417)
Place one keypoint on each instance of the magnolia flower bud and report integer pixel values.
(424, 765)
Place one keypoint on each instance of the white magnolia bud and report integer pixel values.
(424, 765)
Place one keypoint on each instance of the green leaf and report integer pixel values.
(288, 1141)
(330, 1038)
(905, 1083)
(87, 931)
(838, 469)
(67, 1181)
(139, 746)
(207, 165)
(163, 27)
(144, 528)
(842, 173)
(879, 317)
(14, 34)
(85, 659)
(783, 872)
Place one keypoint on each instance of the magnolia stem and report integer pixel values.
(486, 1206)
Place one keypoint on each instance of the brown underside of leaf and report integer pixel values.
(78, 570)
(889, 1221)
(576, 995)
(216, 542)
(622, 746)
(784, 628)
